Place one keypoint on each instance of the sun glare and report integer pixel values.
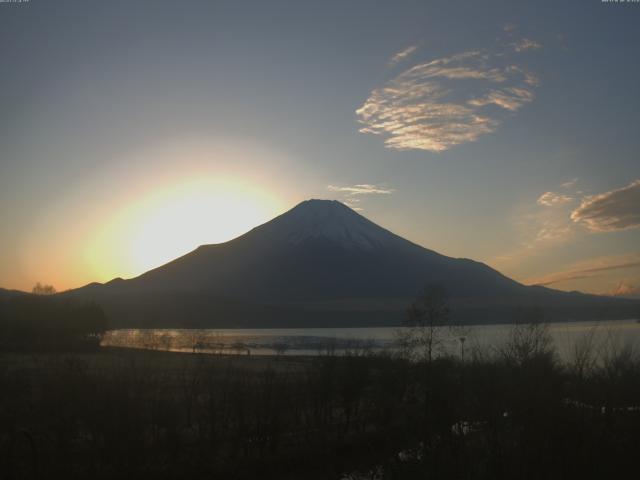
(174, 220)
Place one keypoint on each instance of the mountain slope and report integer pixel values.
(320, 263)
(4, 293)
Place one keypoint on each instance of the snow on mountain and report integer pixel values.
(326, 220)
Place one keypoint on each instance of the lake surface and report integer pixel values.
(322, 341)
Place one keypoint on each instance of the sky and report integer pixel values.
(504, 131)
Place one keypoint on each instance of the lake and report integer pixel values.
(322, 341)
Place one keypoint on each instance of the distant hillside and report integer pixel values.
(322, 264)
(4, 293)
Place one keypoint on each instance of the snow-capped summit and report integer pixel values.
(326, 220)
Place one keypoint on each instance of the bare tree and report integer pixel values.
(583, 354)
(280, 348)
(423, 334)
(197, 340)
(166, 341)
(40, 289)
(528, 340)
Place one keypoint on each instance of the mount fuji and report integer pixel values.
(323, 264)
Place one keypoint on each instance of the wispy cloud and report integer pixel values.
(547, 226)
(543, 225)
(611, 211)
(353, 203)
(551, 232)
(626, 288)
(526, 44)
(551, 199)
(588, 269)
(361, 189)
(402, 55)
(351, 195)
(537, 231)
(448, 101)
(510, 98)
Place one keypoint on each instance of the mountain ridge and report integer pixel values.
(320, 252)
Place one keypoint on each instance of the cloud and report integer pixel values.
(588, 269)
(551, 199)
(448, 101)
(611, 211)
(352, 194)
(361, 189)
(569, 183)
(549, 232)
(353, 203)
(539, 228)
(537, 231)
(402, 55)
(548, 227)
(509, 99)
(557, 278)
(627, 289)
(526, 44)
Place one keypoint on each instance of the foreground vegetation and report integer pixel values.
(42, 322)
(514, 412)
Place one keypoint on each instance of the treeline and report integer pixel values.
(48, 323)
(513, 412)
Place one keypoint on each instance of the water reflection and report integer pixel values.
(567, 337)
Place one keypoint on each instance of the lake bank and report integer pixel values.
(323, 341)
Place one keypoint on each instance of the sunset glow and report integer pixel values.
(173, 220)
(513, 144)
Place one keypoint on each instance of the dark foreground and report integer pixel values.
(133, 414)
